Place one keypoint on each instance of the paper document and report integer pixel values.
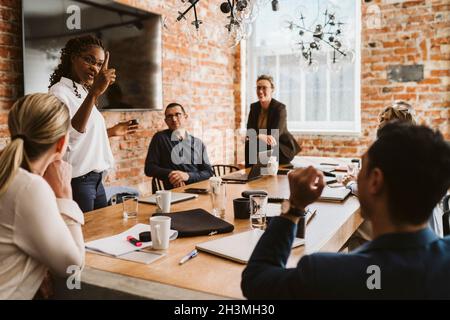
(118, 245)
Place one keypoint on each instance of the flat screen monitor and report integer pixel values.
(132, 36)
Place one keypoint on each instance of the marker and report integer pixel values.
(189, 256)
(134, 241)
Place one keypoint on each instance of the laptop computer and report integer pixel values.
(176, 197)
(255, 171)
(238, 247)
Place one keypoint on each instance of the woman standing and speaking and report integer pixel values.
(79, 80)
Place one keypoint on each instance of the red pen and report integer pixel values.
(134, 241)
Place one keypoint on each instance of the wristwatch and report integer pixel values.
(287, 209)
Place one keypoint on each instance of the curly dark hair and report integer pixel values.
(73, 46)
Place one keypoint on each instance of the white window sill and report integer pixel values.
(326, 133)
(355, 134)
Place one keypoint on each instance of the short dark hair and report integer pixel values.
(268, 78)
(174, 105)
(415, 161)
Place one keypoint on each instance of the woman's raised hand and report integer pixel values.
(104, 78)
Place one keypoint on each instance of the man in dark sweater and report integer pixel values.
(174, 156)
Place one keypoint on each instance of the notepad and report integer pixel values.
(238, 247)
(145, 257)
(118, 245)
(334, 194)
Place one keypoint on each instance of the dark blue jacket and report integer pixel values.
(411, 266)
(190, 154)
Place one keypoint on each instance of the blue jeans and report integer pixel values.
(88, 191)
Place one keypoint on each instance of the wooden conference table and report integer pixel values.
(207, 276)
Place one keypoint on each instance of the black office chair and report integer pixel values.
(446, 215)
(157, 185)
(223, 169)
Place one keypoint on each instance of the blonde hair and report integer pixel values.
(268, 78)
(400, 111)
(35, 122)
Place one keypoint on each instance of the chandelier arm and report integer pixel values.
(181, 16)
(197, 25)
(232, 7)
(304, 29)
(337, 49)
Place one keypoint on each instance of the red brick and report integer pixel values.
(393, 44)
(440, 73)
(431, 81)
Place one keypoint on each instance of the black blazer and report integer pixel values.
(276, 119)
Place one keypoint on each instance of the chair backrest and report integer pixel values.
(157, 185)
(114, 194)
(223, 169)
(446, 215)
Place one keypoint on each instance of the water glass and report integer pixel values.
(130, 206)
(258, 211)
(219, 199)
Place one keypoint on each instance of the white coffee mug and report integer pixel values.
(160, 230)
(163, 199)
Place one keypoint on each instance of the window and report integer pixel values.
(325, 101)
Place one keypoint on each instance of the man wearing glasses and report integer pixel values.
(174, 156)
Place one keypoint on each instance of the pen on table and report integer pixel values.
(134, 241)
(311, 216)
(189, 256)
(328, 164)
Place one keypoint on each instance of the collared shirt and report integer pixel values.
(37, 232)
(90, 150)
(167, 153)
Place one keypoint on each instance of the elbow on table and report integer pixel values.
(248, 284)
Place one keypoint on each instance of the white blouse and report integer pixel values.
(37, 232)
(88, 151)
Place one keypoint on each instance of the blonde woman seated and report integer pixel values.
(402, 112)
(40, 224)
(398, 111)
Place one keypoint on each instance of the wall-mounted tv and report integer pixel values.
(133, 38)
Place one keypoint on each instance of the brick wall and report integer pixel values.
(411, 35)
(11, 86)
(199, 77)
(206, 79)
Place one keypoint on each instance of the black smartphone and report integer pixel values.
(134, 122)
(283, 172)
(196, 190)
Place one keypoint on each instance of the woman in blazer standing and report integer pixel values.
(265, 117)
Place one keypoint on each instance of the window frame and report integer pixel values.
(328, 127)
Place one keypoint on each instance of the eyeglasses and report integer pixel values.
(264, 88)
(91, 61)
(176, 115)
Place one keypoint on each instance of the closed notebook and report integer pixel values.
(334, 194)
(196, 222)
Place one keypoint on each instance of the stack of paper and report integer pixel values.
(118, 245)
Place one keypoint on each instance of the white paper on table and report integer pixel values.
(118, 245)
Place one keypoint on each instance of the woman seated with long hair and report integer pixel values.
(40, 224)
